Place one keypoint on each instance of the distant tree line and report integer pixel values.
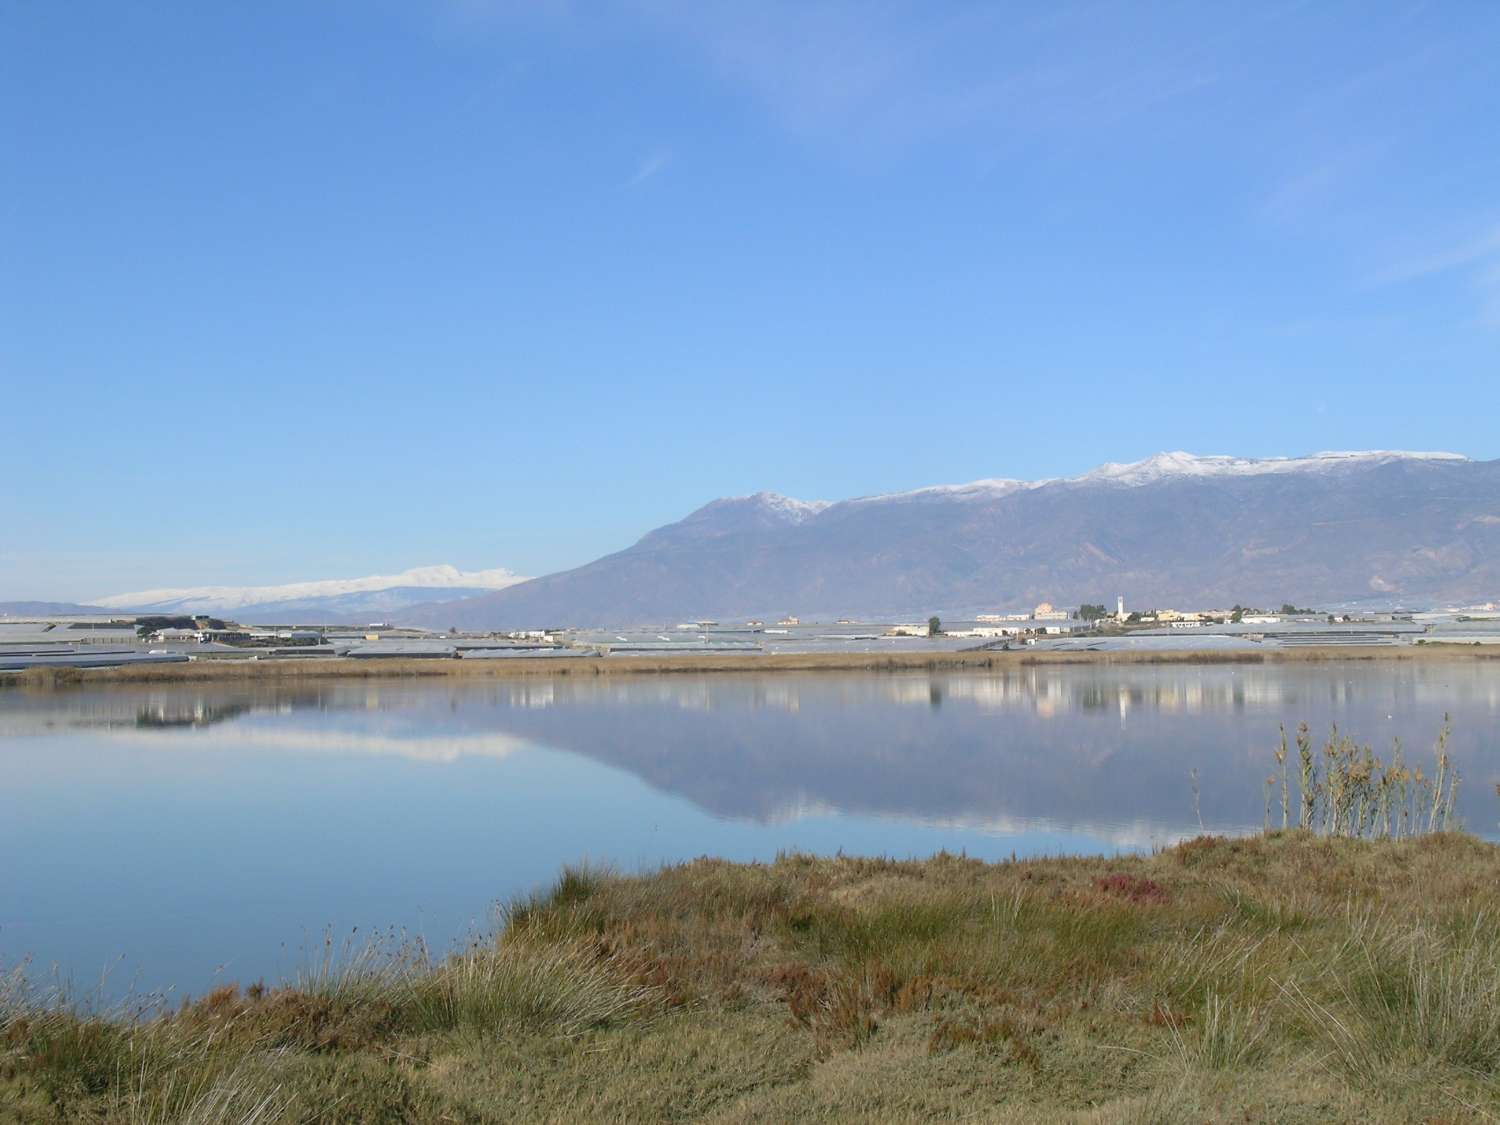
(1286, 607)
(1287, 610)
(145, 626)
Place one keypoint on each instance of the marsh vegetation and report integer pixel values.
(1346, 789)
(1284, 977)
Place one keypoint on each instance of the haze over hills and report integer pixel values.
(336, 599)
(1169, 530)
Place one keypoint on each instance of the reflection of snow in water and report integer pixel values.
(1139, 835)
(1135, 835)
(307, 741)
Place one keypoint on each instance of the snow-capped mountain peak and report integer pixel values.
(1161, 466)
(973, 490)
(227, 599)
(788, 508)
(1157, 467)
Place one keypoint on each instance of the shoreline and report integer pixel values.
(335, 668)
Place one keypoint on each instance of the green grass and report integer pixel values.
(1288, 977)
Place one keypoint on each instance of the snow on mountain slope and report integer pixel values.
(1162, 466)
(974, 490)
(226, 599)
(1158, 467)
(787, 507)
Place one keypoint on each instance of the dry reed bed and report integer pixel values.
(1288, 977)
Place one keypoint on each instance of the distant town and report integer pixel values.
(100, 641)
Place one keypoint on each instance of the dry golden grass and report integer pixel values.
(1279, 978)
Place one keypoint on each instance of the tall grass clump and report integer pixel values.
(355, 970)
(550, 983)
(562, 989)
(563, 910)
(1345, 789)
(544, 973)
(76, 1054)
(202, 1096)
(1229, 1035)
(1415, 993)
(86, 1060)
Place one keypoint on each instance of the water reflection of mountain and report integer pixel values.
(1064, 747)
(1101, 749)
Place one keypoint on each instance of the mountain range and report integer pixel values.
(336, 599)
(1174, 529)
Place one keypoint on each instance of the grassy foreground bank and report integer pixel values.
(1281, 978)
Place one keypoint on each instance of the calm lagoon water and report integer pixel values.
(175, 838)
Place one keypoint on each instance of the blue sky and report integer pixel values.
(306, 288)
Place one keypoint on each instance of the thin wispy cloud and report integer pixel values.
(1318, 186)
(1488, 282)
(649, 166)
(480, 12)
(890, 75)
(1478, 249)
(880, 77)
(1477, 259)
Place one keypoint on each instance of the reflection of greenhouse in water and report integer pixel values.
(197, 713)
(1042, 691)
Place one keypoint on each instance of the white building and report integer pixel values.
(178, 636)
(909, 631)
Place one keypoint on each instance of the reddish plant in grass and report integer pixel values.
(1133, 888)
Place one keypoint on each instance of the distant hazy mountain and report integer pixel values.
(337, 599)
(1172, 530)
(48, 609)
